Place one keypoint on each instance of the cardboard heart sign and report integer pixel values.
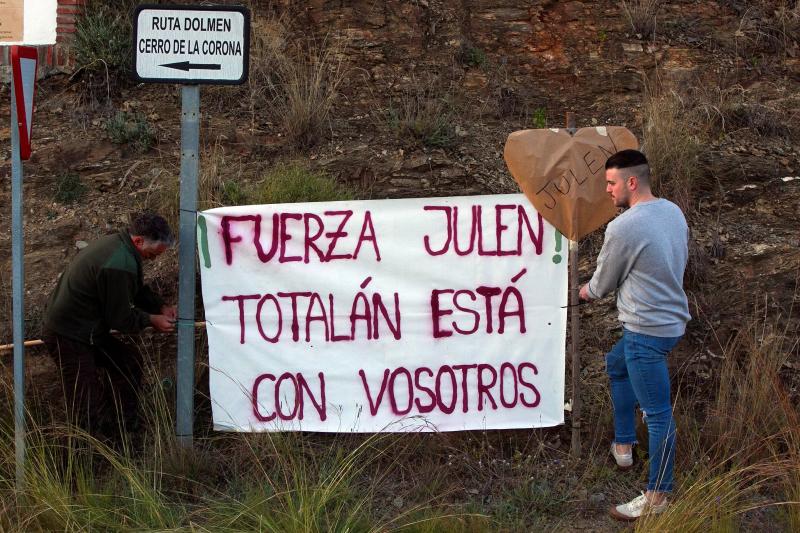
(563, 175)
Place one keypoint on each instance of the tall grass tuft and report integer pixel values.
(423, 115)
(672, 145)
(304, 88)
(641, 15)
(753, 410)
(709, 500)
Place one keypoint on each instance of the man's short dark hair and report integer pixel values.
(634, 162)
(152, 227)
(626, 159)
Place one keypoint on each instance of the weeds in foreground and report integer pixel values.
(265, 482)
(710, 500)
(69, 188)
(306, 482)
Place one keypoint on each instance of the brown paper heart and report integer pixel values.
(563, 175)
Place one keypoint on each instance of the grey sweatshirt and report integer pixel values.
(644, 256)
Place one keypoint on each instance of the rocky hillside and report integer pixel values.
(421, 97)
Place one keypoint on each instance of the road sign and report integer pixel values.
(191, 44)
(23, 66)
(28, 22)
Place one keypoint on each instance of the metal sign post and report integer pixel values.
(190, 45)
(18, 282)
(24, 60)
(190, 165)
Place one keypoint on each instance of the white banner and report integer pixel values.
(434, 314)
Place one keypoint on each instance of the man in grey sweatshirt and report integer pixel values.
(643, 258)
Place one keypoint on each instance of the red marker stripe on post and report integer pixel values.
(24, 62)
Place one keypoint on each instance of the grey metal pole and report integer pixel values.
(190, 145)
(18, 282)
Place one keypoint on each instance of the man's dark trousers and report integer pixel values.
(101, 382)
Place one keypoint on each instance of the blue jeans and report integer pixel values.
(637, 368)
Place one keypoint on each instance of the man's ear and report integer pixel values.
(138, 241)
(633, 183)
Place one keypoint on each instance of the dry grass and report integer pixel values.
(725, 107)
(423, 114)
(641, 15)
(746, 455)
(220, 183)
(752, 405)
(268, 42)
(293, 87)
(672, 145)
(304, 91)
(768, 26)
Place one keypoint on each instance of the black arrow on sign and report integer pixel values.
(186, 66)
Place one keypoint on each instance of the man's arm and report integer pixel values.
(116, 290)
(147, 300)
(117, 294)
(613, 265)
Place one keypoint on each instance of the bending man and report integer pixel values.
(643, 258)
(102, 289)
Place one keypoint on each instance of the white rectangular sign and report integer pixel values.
(436, 314)
(191, 44)
(28, 22)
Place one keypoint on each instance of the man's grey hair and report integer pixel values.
(152, 227)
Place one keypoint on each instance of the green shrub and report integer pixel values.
(471, 56)
(131, 128)
(539, 118)
(232, 193)
(293, 183)
(69, 188)
(103, 37)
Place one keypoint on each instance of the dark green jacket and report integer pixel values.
(102, 289)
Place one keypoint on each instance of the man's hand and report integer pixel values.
(169, 311)
(162, 323)
(584, 294)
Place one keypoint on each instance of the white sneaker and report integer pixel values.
(637, 507)
(624, 460)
